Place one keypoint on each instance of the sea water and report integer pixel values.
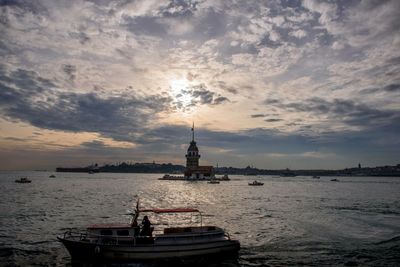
(289, 221)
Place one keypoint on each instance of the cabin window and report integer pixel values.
(105, 232)
(123, 232)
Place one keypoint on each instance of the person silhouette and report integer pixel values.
(146, 227)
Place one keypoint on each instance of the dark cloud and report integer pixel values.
(28, 97)
(258, 116)
(147, 25)
(213, 24)
(347, 111)
(82, 37)
(266, 41)
(229, 88)
(272, 101)
(200, 95)
(20, 85)
(390, 88)
(34, 7)
(95, 144)
(394, 87)
(70, 71)
(273, 120)
(220, 100)
(10, 138)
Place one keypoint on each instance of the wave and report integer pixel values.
(395, 239)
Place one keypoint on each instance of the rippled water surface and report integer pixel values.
(288, 221)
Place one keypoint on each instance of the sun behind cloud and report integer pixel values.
(180, 92)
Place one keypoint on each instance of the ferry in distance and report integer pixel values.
(256, 183)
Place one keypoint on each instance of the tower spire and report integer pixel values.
(193, 132)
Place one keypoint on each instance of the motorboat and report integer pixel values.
(225, 177)
(213, 181)
(255, 182)
(52, 176)
(316, 177)
(23, 180)
(334, 180)
(126, 242)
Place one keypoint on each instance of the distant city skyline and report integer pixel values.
(282, 84)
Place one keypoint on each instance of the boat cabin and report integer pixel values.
(129, 234)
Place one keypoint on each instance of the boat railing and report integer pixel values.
(117, 239)
(100, 239)
(192, 234)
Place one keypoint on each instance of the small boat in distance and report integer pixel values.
(130, 243)
(52, 176)
(255, 182)
(23, 180)
(213, 181)
(172, 177)
(334, 180)
(225, 178)
(316, 177)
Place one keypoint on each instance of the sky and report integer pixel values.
(273, 84)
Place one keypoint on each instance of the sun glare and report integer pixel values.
(180, 92)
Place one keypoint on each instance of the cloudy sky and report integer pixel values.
(274, 84)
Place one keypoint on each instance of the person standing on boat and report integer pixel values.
(146, 227)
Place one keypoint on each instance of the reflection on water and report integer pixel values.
(288, 221)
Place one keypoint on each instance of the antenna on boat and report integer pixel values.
(136, 214)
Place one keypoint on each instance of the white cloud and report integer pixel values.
(326, 11)
(298, 34)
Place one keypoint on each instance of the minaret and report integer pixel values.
(192, 156)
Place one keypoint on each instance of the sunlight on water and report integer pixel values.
(288, 221)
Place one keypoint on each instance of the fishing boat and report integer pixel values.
(127, 242)
(256, 183)
(23, 180)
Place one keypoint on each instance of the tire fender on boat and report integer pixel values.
(97, 250)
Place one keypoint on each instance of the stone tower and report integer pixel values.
(192, 156)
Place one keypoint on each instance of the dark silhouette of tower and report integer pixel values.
(192, 156)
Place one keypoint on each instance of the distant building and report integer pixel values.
(193, 169)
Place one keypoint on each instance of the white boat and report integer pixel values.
(124, 242)
(213, 181)
(255, 182)
(225, 178)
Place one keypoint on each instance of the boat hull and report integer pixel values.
(80, 250)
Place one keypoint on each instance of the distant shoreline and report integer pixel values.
(389, 171)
